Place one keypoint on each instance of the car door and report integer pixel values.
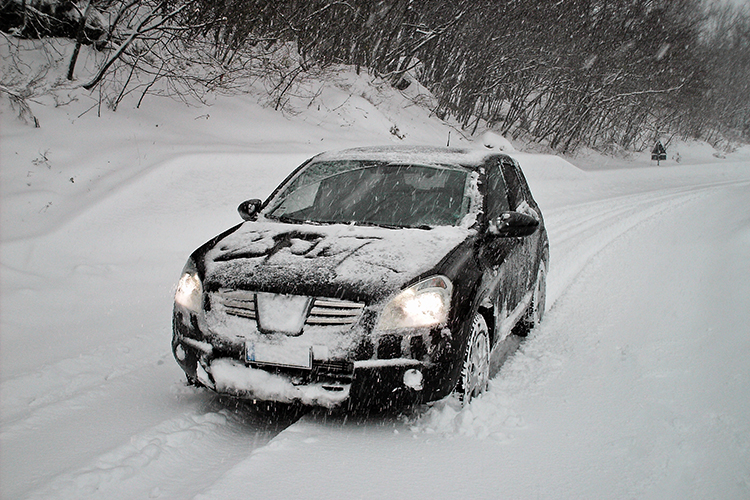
(520, 200)
(502, 257)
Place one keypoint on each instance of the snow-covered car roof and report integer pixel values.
(422, 155)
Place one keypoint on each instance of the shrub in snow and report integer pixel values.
(51, 18)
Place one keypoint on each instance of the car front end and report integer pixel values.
(316, 350)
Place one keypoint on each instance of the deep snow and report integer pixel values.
(636, 385)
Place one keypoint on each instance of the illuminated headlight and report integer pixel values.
(189, 289)
(426, 303)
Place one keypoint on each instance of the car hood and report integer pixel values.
(365, 264)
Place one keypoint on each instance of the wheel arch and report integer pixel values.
(488, 312)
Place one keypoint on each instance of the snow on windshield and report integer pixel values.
(374, 192)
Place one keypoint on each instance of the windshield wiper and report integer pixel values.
(287, 219)
(375, 224)
(292, 220)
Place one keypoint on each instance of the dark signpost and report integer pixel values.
(659, 152)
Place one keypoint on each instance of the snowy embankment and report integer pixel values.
(637, 384)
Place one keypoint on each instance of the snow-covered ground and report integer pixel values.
(636, 385)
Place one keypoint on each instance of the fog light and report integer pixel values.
(413, 379)
(179, 353)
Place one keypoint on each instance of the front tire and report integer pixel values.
(475, 375)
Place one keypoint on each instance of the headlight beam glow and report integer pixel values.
(189, 292)
(424, 304)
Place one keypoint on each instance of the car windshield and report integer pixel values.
(374, 193)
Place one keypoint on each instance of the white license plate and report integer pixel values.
(279, 355)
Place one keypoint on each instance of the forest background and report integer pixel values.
(613, 75)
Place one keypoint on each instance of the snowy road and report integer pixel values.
(636, 384)
(98, 403)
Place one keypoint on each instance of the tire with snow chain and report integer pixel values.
(535, 312)
(475, 374)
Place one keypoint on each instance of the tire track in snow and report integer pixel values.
(576, 243)
(168, 452)
(110, 475)
(28, 395)
(579, 232)
(172, 459)
(118, 436)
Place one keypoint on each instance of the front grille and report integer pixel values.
(324, 311)
(237, 302)
(330, 370)
(334, 312)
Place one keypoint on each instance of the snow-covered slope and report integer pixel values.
(636, 385)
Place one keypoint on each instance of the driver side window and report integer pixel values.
(496, 197)
(515, 186)
(299, 200)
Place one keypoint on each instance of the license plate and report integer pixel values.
(279, 355)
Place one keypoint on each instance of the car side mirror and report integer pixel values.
(513, 224)
(249, 209)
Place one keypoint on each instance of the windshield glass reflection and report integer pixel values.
(373, 193)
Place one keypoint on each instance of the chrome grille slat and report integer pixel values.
(325, 311)
(338, 303)
(240, 304)
(241, 312)
(329, 312)
(330, 321)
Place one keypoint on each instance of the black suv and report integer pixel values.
(371, 276)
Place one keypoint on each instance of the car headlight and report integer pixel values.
(426, 303)
(189, 292)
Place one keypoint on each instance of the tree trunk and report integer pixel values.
(79, 39)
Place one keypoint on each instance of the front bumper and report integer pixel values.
(370, 383)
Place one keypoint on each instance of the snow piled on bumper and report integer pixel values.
(232, 377)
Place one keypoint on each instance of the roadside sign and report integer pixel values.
(659, 152)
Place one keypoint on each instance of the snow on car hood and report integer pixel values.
(361, 263)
